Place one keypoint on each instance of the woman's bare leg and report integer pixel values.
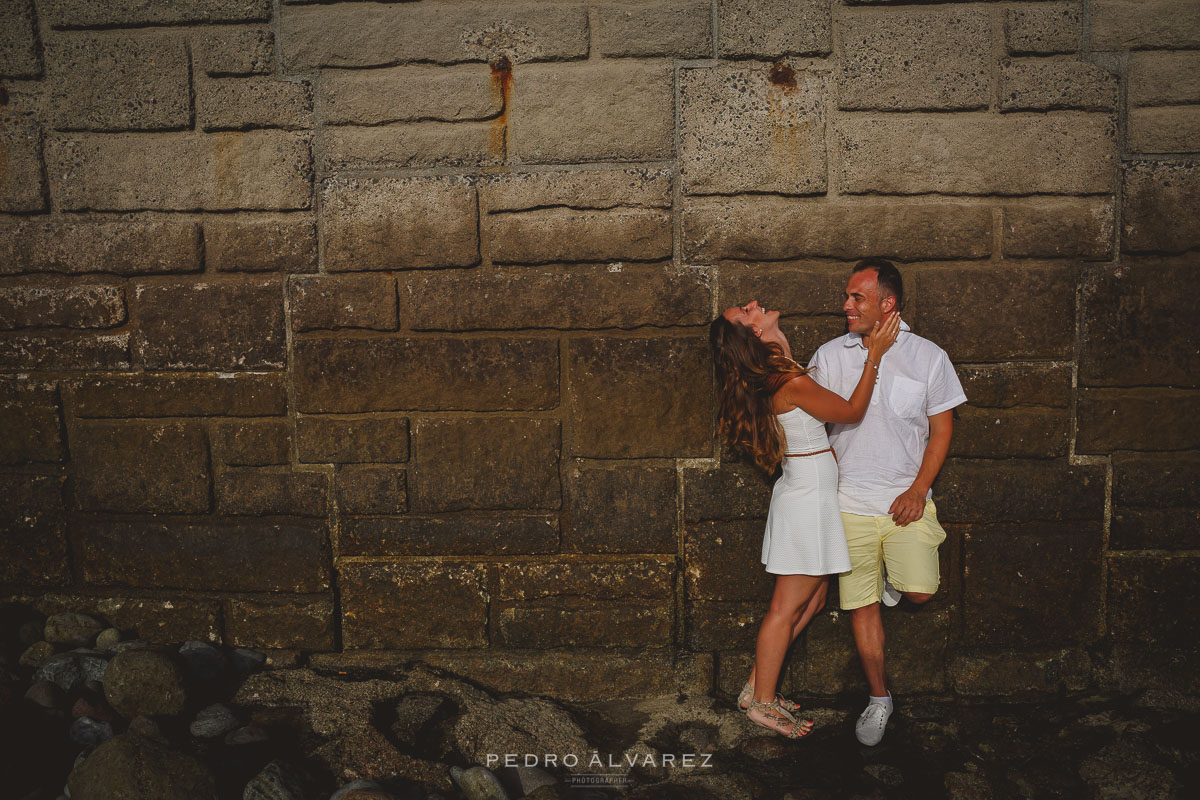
(789, 605)
(811, 609)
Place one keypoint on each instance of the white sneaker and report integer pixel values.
(891, 595)
(872, 723)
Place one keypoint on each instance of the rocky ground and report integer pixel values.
(88, 713)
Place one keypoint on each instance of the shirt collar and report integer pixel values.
(855, 339)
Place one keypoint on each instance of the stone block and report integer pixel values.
(287, 623)
(343, 301)
(810, 290)
(371, 489)
(619, 510)
(1164, 78)
(416, 144)
(356, 35)
(593, 111)
(1156, 502)
(1032, 585)
(159, 621)
(1025, 310)
(248, 244)
(22, 185)
(484, 534)
(722, 626)
(1068, 153)
(1144, 24)
(1140, 587)
(1160, 201)
(220, 326)
(831, 663)
(19, 56)
(349, 375)
(1116, 419)
(65, 352)
(807, 334)
(1059, 229)
(1011, 433)
(234, 395)
(1014, 491)
(730, 492)
(408, 94)
(591, 296)
(33, 542)
(140, 466)
(122, 248)
(589, 624)
(567, 234)
(1008, 385)
(647, 577)
(769, 29)
(915, 58)
(640, 398)
(637, 187)
(918, 649)
(673, 29)
(254, 170)
(104, 82)
(113, 13)
(751, 129)
(398, 223)
(1006, 673)
(1170, 129)
(30, 415)
(1044, 84)
(1124, 341)
(234, 51)
(769, 228)
(1154, 529)
(72, 307)
(1043, 29)
(260, 491)
(253, 443)
(239, 104)
(418, 605)
(722, 561)
(348, 440)
(241, 556)
(485, 463)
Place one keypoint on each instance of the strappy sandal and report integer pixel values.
(747, 694)
(775, 715)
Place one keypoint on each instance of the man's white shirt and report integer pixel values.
(879, 456)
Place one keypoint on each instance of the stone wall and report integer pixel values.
(376, 330)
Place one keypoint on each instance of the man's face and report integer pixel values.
(863, 305)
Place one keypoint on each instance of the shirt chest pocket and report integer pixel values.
(907, 397)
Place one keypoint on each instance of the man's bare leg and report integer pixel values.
(867, 624)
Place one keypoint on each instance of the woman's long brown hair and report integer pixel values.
(749, 371)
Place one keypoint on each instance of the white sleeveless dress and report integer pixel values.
(804, 533)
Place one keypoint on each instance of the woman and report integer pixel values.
(772, 409)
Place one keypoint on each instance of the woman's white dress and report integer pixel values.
(804, 533)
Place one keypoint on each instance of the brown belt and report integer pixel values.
(814, 453)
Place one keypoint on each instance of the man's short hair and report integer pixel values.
(890, 282)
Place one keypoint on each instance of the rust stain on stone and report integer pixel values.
(783, 76)
(501, 88)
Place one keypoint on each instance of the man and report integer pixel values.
(886, 464)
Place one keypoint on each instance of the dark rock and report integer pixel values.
(413, 713)
(214, 721)
(90, 732)
(359, 790)
(147, 729)
(478, 783)
(94, 706)
(144, 682)
(279, 780)
(246, 660)
(72, 630)
(531, 779)
(108, 639)
(35, 654)
(202, 661)
(134, 768)
(70, 670)
(45, 694)
(246, 735)
(32, 631)
(132, 644)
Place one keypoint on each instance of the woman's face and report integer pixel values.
(753, 316)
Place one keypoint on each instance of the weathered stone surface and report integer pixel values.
(1043, 84)
(344, 301)
(1160, 200)
(112, 83)
(815, 289)
(371, 489)
(1115, 419)
(631, 577)
(1170, 129)
(675, 29)
(1162, 78)
(722, 626)
(137, 768)
(271, 490)
(354, 35)
(1140, 587)
(776, 228)
(1059, 229)
(22, 185)
(751, 130)
(614, 296)
(225, 326)
(65, 352)
(19, 56)
(1025, 310)
(140, 466)
(1144, 24)
(74, 307)
(1043, 28)
(286, 623)
(344, 375)
(732, 491)
(1156, 504)
(124, 248)
(408, 94)
(1008, 385)
(398, 223)
(412, 605)
(1007, 673)
(234, 51)
(233, 395)
(1126, 339)
(721, 561)
(144, 682)
(1008, 433)
(772, 28)
(252, 443)
(1069, 153)
(1032, 585)
(157, 621)
(239, 104)
(567, 234)
(807, 334)
(596, 624)
(247, 244)
(287, 557)
(1154, 529)
(84, 14)
(330, 440)
(640, 398)
(416, 144)
(33, 547)
(455, 464)
(450, 534)
(1018, 491)
(915, 58)
(620, 510)
(31, 418)
(181, 171)
(636, 187)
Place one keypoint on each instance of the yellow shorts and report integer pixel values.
(909, 553)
